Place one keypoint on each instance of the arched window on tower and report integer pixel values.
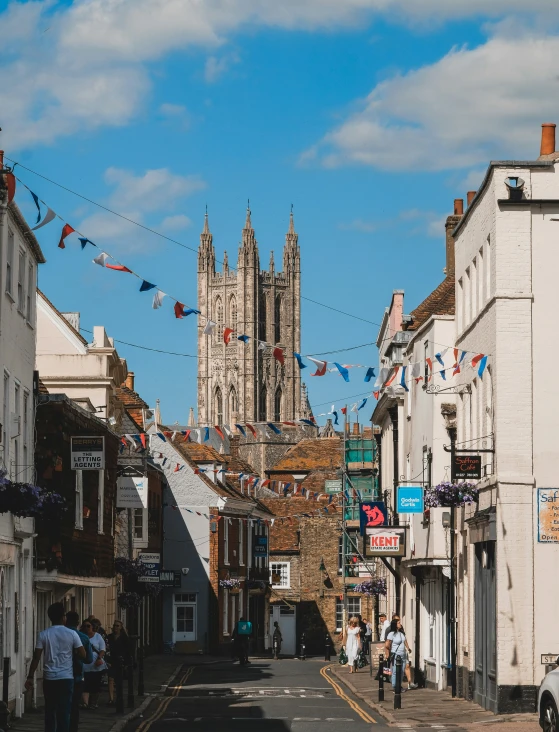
(263, 403)
(233, 313)
(218, 411)
(277, 319)
(232, 404)
(218, 310)
(278, 405)
(262, 316)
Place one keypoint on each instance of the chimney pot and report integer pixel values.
(548, 138)
(1, 158)
(471, 196)
(130, 380)
(356, 428)
(458, 206)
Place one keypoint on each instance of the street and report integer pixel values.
(265, 696)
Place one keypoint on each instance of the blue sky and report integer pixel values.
(369, 116)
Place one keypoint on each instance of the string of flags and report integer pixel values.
(398, 376)
(258, 521)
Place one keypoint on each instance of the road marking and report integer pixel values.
(356, 708)
(164, 703)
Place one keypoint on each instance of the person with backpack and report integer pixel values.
(241, 635)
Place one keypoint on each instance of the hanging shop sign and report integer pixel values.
(548, 515)
(410, 499)
(170, 578)
(260, 546)
(466, 467)
(88, 453)
(385, 541)
(152, 562)
(131, 490)
(372, 513)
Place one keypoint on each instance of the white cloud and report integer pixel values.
(471, 106)
(217, 66)
(424, 222)
(78, 67)
(366, 227)
(176, 223)
(155, 190)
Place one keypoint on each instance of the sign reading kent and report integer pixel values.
(410, 499)
(385, 541)
(88, 453)
(548, 515)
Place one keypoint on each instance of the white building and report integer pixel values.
(506, 297)
(20, 256)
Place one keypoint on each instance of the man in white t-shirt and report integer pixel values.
(58, 644)
(384, 626)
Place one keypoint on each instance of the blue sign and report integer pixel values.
(372, 513)
(410, 499)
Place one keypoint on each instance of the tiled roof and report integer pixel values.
(133, 403)
(317, 454)
(441, 301)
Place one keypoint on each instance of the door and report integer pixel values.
(185, 617)
(485, 692)
(286, 618)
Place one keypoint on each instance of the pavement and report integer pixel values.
(159, 670)
(427, 708)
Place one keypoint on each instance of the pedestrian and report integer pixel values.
(58, 644)
(397, 645)
(241, 634)
(72, 622)
(93, 672)
(368, 637)
(276, 640)
(119, 655)
(362, 629)
(352, 643)
(384, 626)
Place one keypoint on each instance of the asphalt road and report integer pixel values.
(265, 696)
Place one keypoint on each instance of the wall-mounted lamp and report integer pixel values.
(322, 567)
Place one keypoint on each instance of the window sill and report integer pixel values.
(29, 324)
(10, 296)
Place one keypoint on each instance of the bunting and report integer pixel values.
(66, 231)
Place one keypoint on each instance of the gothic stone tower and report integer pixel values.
(241, 382)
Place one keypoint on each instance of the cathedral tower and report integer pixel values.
(242, 382)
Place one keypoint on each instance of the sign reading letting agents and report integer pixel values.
(548, 515)
(88, 453)
(410, 499)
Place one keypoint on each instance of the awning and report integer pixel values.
(56, 577)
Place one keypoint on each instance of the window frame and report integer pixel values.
(9, 285)
(30, 291)
(21, 277)
(78, 519)
(282, 585)
(241, 542)
(226, 540)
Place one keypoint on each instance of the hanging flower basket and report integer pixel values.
(130, 567)
(129, 599)
(233, 585)
(151, 589)
(451, 495)
(29, 501)
(372, 587)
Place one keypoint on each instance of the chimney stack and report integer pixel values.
(130, 380)
(1, 158)
(470, 197)
(356, 428)
(548, 138)
(458, 206)
(451, 223)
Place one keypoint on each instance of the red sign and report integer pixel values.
(385, 541)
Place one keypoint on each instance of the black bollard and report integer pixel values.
(5, 679)
(380, 677)
(141, 671)
(398, 686)
(328, 651)
(4, 717)
(303, 654)
(130, 674)
(119, 685)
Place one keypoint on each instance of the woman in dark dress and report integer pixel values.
(119, 653)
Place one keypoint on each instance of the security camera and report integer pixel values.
(185, 570)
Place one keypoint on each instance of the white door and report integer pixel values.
(185, 618)
(286, 618)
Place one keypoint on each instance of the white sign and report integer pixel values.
(549, 659)
(88, 453)
(132, 492)
(385, 541)
(152, 562)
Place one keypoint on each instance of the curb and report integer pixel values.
(121, 723)
(375, 707)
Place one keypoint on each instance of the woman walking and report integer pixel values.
(352, 643)
(397, 646)
(93, 672)
(119, 656)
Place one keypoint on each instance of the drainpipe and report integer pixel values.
(393, 413)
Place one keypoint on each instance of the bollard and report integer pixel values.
(328, 650)
(275, 648)
(303, 654)
(5, 679)
(130, 675)
(141, 671)
(119, 685)
(4, 717)
(380, 678)
(398, 686)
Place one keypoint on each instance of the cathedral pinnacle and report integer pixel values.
(206, 224)
(206, 253)
(272, 265)
(248, 222)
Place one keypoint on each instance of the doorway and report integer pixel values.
(485, 690)
(184, 616)
(285, 616)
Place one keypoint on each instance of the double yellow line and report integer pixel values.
(339, 691)
(164, 703)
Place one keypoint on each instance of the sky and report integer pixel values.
(368, 116)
